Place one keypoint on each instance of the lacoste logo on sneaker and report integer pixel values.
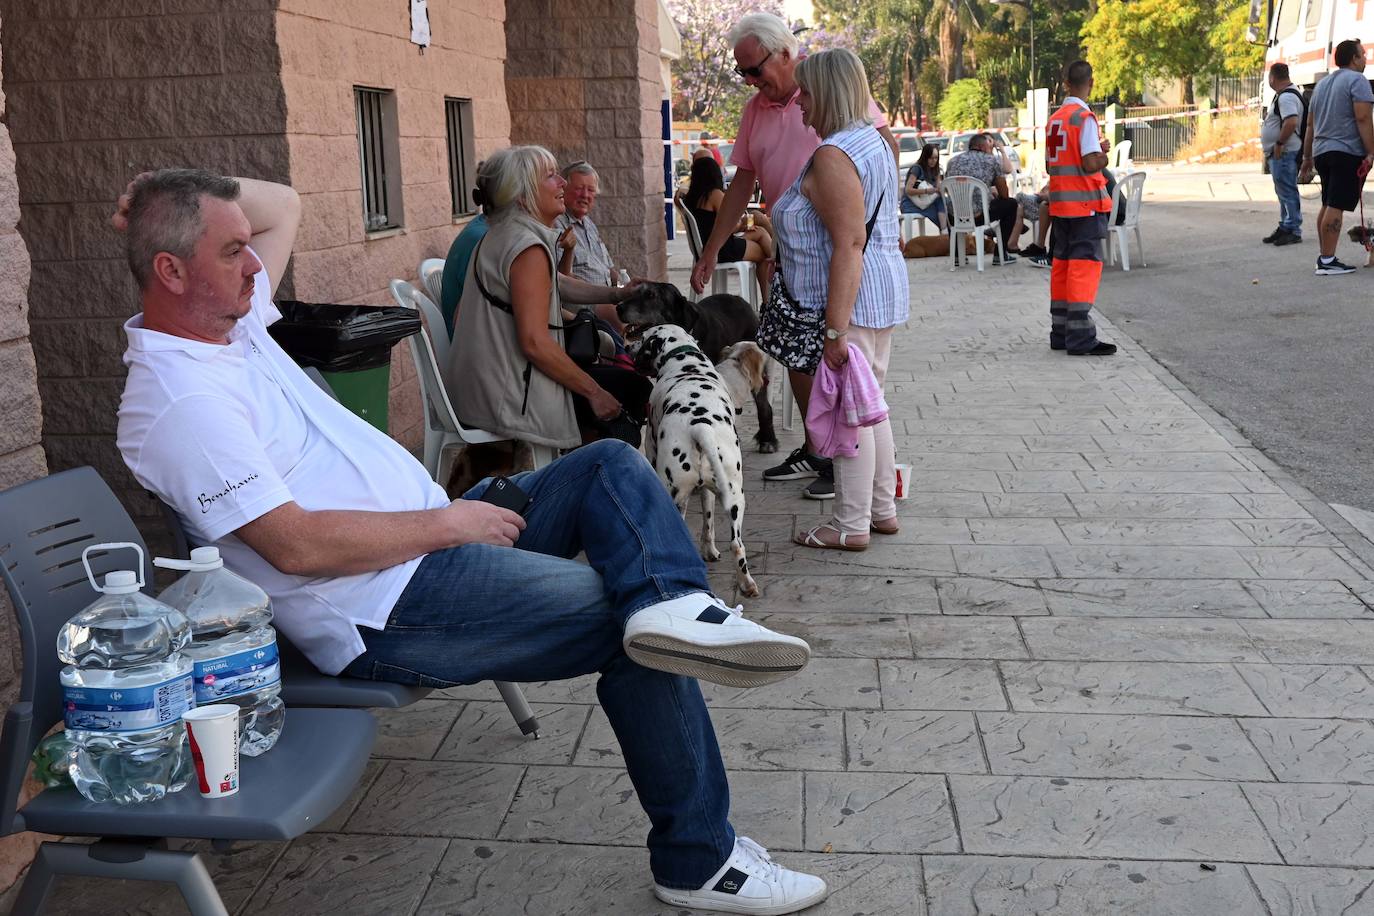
(713, 615)
(730, 882)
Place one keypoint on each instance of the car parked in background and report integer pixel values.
(908, 147)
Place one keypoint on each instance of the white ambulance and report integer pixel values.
(1303, 34)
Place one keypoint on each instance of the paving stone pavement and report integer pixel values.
(1116, 662)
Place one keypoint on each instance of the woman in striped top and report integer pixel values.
(842, 279)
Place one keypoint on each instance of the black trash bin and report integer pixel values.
(350, 345)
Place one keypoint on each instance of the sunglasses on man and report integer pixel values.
(755, 71)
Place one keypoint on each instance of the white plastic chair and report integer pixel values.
(914, 224)
(1129, 193)
(720, 280)
(432, 276)
(429, 350)
(1119, 158)
(963, 193)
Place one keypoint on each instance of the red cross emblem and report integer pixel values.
(1056, 140)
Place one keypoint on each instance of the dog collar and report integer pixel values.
(685, 348)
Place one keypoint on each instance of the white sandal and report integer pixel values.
(809, 539)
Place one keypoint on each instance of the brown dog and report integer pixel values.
(937, 246)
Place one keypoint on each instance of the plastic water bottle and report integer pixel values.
(233, 645)
(124, 689)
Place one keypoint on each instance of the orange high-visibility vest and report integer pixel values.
(1073, 192)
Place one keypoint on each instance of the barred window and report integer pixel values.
(379, 153)
(462, 167)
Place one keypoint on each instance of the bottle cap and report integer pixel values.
(121, 582)
(203, 559)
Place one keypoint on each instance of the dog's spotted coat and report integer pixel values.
(692, 442)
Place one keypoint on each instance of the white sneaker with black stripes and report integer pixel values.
(698, 636)
(750, 882)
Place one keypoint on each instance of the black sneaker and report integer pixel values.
(823, 487)
(1102, 349)
(797, 466)
(1273, 237)
(1031, 251)
(1043, 261)
(1288, 237)
(998, 260)
(1332, 267)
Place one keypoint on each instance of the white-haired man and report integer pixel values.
(772, 146)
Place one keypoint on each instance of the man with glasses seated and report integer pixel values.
(981, 162)
(772, 147)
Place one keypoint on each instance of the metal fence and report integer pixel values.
(1159, 140)
(1236, 90)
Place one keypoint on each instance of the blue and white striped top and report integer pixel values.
(806, 247)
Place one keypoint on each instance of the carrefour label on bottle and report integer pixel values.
(127, 709)
(236, 674)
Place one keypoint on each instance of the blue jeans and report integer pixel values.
(1284, 171)
(532, 613)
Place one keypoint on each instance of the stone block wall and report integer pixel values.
(327, 48)
(21, 417)
(97, 93)
(583, 80)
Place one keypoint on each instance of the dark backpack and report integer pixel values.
(1302, 119)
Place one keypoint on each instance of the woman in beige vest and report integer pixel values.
(508, 372)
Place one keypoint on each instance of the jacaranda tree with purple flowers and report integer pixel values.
(705, 85)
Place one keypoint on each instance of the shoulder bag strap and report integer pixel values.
(501, 304)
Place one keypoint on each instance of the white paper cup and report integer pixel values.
(213, 732)
(903, 481)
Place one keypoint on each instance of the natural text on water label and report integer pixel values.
(236, 673)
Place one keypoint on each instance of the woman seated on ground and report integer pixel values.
(508, 372)
(927, 201)
(752, 241)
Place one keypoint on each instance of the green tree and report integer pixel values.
(1130, 42)
(891, 45)
(965, 105)
(1235, 55)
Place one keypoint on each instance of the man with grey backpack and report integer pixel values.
(1281, 137)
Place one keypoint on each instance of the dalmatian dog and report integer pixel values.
(691, 439)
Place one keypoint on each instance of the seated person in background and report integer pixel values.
(508, 372)
(374, 573)
(978, 161)
(582, 253)
(456, 266)
(572, 290)
(711, 149)
(1034, 206)
(751, 240)
(925, 201)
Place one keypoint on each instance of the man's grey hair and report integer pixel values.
(164, 215)
(581, 167)
(770, 31)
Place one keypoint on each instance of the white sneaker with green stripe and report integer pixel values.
(698, 636)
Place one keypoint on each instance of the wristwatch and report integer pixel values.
(832, 334)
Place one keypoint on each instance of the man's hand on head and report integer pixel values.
(120, 218)
(474, 522)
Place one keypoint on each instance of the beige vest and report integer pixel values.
(490, 382)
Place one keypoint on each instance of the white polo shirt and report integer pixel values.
(224, 433)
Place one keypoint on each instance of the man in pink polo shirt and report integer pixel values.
(772, 147)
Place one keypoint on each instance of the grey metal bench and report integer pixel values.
(44, 526)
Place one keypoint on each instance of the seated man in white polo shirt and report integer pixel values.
(375, 573)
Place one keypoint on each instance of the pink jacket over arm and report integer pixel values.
(841, 403)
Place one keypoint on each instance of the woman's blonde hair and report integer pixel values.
(510, 178)
(838, 86)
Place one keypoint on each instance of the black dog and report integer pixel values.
(717, 322)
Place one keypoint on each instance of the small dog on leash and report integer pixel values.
(741, 368)
(716, 322)
(691, 439)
